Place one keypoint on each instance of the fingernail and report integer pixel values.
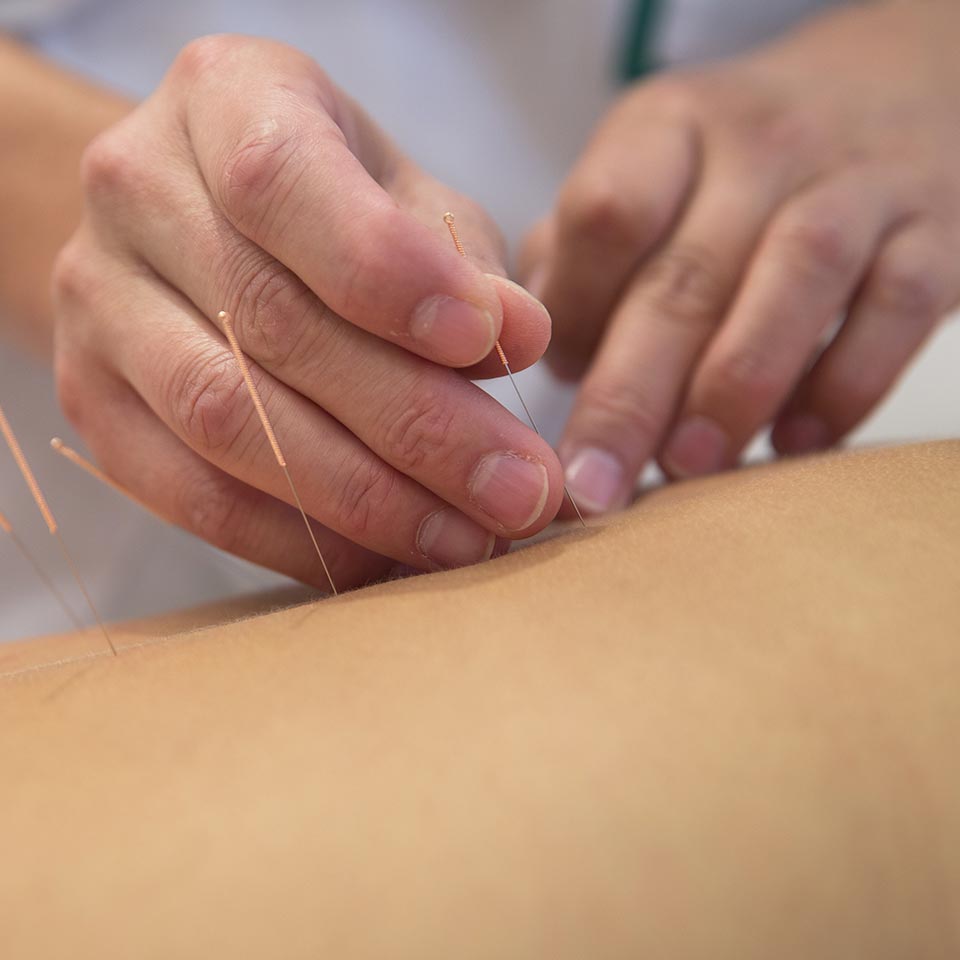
(449, 539)
(698, 446)
(595, 479)
(456, 332)
(510, 489)
(522, 293)
(801, 433)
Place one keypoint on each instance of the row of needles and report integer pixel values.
(6, 527)
(15, 449)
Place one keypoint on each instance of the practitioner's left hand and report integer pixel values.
(723, 221)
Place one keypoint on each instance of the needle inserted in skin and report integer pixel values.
(449, 220)
(225, 319)
(7, 528)
(51, 523)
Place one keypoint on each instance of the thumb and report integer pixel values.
(526, 323)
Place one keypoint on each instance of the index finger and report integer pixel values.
(284, 172)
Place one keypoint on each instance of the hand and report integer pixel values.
(722, 222)
(250, 183)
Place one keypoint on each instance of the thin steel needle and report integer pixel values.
(7, 528)
(51, 523)
(450, 221)
(225, 319)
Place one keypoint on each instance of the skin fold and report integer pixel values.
(723, 725)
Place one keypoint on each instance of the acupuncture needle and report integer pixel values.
(7, 527)
(48, 518)
(241, 359)
(84, 464)
(78, 460)
(450, 221)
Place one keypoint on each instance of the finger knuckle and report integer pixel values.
(816, 243)
(109, 167)
(908, 290)
(72, 278)
(203, 394)
(744, 380)
(201, 56)
(685, 284)
(772, 132)
(623, 409)
(420, 430)
(206, 56)
(365, 492)
(277, 317)
(259, 172)
(596, 212)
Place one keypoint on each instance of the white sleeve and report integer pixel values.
(28, 14)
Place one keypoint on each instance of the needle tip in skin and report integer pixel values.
(241, 359)
(51, 523)
(449, 220)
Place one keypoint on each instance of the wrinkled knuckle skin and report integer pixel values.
(419, 433)
(816, 245)
(277, 317)
(205, 395)
(684, 285)
(363, 498)
(623, 411)
(258, 173)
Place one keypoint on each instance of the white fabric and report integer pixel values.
(24, 14)
(494, 96)
(696, 30)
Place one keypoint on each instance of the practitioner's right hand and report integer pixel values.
(249, 183)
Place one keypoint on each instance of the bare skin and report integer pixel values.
(49, 117)
(722, 727)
